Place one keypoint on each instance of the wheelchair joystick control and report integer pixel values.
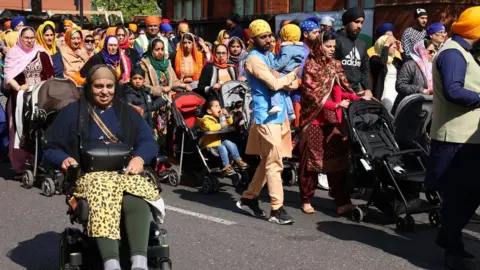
(73, 173)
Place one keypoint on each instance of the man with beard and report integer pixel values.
(352, 52)
(233, 23)
(413, 35)
(454, 158)
(269, 134)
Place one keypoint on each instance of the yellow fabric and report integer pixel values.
(210, 123)
(379, 45)
(68, 23)
(102, 189)
(259, 27)
(183, 27)
(220, 38)
(290, 32)
(41, 39)
(371, 52)
(468, 25)
(11, 38)
(133, 27)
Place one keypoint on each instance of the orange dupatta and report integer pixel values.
(197, 58)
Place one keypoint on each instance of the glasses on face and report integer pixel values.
(441, 33)
(89, 41)
(221, 53)
(28, 38)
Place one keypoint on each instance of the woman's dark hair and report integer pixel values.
(121, 28)
(130, 33)
(48, 27)
(155, 43)
(226, 33)
(220, 45)
(327, 36)
(189, 37)
(319, 41)
(427, 43)
(233, 41)
(25, 29)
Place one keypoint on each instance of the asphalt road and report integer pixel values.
(208, 232)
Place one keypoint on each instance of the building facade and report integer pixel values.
(208, 16)
(46, 5)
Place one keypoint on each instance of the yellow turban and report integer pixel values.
(183, 27)
(133, 27)
(467, 25)
(290, 32)
(259, 27)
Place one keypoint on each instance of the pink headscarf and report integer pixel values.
(19, 56)
(420, 56)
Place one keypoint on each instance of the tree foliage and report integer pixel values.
(129, 8)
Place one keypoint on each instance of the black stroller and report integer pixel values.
(41, 104)
(412, 121)
(239, 92)
(203, 162)
(396, 175)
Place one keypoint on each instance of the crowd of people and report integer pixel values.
(301, 76)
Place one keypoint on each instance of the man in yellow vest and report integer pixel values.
(455, 148)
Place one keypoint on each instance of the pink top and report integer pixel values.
(337, 95)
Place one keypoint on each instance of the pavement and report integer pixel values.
(209, 232)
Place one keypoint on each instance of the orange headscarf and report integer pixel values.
(69, 33)
(224, 65)
(196, 55)
(68, 23)
(153, 20)
(7, 25)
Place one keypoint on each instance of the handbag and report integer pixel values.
(110, 155)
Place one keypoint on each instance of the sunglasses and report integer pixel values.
(89, 41)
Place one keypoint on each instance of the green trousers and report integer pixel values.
(136, 222)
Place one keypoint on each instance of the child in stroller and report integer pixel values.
(215, 119)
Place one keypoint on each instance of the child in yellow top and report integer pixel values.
(211, 122)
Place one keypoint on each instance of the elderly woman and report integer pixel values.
(97, 119)
(188, 61)
(323, 144)
(238, 54)
(123, 36)
(46, 38)
(113, 57)
(415, 76)
(217, 73)
(384, 66)
(74, 56)
(26, 64)
(437, 34)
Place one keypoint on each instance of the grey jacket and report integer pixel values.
(410, 80)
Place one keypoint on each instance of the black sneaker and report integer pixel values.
(251, 206)
(281, 217)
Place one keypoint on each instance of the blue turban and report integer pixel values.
(165, 27)
(313, 19)
(384, 28)
(308, 26)
(16, 21)
(434, 28)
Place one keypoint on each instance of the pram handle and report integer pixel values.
(222, 131)
(402, 153)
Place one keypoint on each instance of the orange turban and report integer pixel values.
(467, 25)
(133, 27)
(68, 23)
(111, 31)
(7, 25)
(152, 20)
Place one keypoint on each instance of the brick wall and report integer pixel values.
(329, 5)
(276, 6)
(46, 4)
(222, 8)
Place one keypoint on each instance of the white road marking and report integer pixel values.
(198, 215)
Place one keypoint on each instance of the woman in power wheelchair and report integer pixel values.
(109, 143)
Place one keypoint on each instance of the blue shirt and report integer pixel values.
(453, 67)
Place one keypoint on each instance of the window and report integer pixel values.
(302, 6)
(245, 7)
(188, 9)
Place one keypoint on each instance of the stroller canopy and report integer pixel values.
(54, 94)
(186, 107)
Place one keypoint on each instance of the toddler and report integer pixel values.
(211, 122)
(291, 55)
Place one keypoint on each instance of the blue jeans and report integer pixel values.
(275, 97)
(225, 148)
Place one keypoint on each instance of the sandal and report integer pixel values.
(307, 209)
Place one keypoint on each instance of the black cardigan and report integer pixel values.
(209, 77)
(379, 69)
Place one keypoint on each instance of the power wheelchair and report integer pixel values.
(80, 252)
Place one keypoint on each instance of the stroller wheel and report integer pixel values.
(434, 218)
(48, 187)
(236, 180)
(215, 183)
(207, 185)
(173, 177)
(28, 179)
(165, 266)
(358, 214)
(289, 177)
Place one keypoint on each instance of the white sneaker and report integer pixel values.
(274, 110)
(323, 181)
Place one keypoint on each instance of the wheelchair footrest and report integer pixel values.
(161, 251)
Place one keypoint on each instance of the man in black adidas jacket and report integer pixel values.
(352, 52)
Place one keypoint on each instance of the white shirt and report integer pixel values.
(389, 92)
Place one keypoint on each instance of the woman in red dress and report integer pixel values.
(324, 144)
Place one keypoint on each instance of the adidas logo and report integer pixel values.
(352, 59)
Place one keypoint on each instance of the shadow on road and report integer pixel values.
(41, 252)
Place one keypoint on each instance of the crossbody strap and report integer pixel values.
(102, 125)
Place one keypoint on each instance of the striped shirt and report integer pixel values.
(410, 37)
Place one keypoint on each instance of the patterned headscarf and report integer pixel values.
(308, 26)
(256, 28)
(290, 32)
